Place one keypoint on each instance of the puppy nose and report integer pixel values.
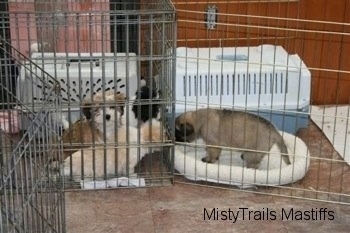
(108, 117)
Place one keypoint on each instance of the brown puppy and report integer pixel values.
(236, 129)
(85, 132)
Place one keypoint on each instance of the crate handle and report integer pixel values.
(84, 60)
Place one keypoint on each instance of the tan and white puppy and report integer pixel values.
(112, 105)
(119, 156)
(90, 130)
(242, 130)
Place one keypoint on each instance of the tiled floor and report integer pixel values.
(180, 208)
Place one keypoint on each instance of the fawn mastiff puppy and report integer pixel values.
(232, 129)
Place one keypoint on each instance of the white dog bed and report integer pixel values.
(229, 168)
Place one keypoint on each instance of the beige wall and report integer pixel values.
(63, 32)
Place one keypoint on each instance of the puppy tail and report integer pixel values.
(284, 151)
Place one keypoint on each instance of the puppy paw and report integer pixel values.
(207, 160)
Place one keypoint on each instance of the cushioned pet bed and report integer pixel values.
(229, 169)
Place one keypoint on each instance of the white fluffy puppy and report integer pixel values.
(118, 157)
(86, 132)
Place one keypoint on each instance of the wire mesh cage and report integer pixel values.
(31, 191)
(262, 69)
(114, 63)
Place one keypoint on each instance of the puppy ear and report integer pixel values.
(187, 129)
(87, 110)
(96, 97)
(184, 132)
(120, 98)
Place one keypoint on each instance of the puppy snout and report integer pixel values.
(184, 132)
(108, 117)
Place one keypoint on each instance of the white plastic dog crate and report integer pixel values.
(264, 79)
(79, 75)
